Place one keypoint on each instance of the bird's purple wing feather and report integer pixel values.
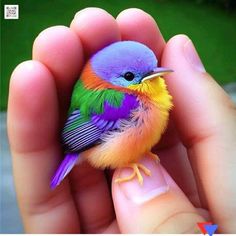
(112, 113)
(64, 168)
(79, 133)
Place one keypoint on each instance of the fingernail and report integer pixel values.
(192, 56)
(152, 187)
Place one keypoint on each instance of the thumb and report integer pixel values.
(158, 206)
(205, 118)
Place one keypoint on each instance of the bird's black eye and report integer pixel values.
(129, 76)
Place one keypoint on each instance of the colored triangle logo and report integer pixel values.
(202, 225)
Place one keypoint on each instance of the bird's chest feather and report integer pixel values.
(135, 137)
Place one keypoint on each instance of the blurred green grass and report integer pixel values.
(213, 30)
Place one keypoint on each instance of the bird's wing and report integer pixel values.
(80, 133)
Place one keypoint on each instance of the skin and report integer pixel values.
(201, 136)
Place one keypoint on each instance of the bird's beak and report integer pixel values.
(159, 71)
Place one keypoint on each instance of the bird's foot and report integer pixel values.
(136, 172)
(153, 156)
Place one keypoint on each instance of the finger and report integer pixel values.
(206, 120)
(137, 25)
(96, 29)
(158, 206)
(32, 129)
(60, 50)
(93, 198)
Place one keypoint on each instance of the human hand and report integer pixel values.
(201, 135)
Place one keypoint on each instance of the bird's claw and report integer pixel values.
(154, 157)
(136, 172)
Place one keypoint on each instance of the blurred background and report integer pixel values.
(211, 24)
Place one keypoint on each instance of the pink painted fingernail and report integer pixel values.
(152, 187)
(193, 57)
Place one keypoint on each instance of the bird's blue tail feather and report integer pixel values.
(64, 169)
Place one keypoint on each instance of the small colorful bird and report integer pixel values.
(119, 110)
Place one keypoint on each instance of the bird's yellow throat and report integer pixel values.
(156, 90)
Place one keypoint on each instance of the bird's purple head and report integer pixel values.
(124, 63)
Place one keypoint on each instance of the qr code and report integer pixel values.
(11, 11)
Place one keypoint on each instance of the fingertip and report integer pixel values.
(179, 38)
(137, 25)
(61, 51)
(28, 78)
(29, 66)
(96, 29)
(174, 46)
